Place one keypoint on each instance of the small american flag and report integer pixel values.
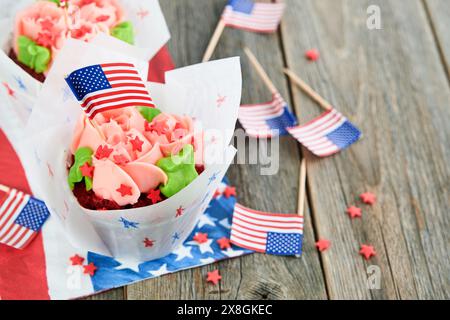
(267, 119)
(251, 16)
(328, 134)
(21, 218)
(272, 233)
(108, 86)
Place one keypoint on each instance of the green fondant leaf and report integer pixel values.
(149, 113)
(33, 55)
(82, 155)
(180, 170)
(124, 31)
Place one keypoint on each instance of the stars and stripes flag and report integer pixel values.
(21, 218)
(326, 135)
(253, 16)
(271, 233)
(268, 119)
(108, 86)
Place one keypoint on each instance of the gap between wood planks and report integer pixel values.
(302, 153)
(437, 42)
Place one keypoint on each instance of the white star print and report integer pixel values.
(225, 223)
(230, 253)
(206, 219)
(132, 265)
(207, 260)
(160, 271)
(204, 247)
(183, 252)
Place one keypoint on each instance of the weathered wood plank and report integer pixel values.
(391, 83)
(256, 276)
(439, 12)
(115, 294)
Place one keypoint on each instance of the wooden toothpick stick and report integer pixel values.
(302, 188)
(4, 188)
(214, 41)
(308, 90)
(260, 70)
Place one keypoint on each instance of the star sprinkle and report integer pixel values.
(154, 196)
(323, 244)
(76, 260)
(200, 237)
(224, 243)
(354, 212)
(90, 269)
(367, 251)
(103, 152)
(213, 277)
(148, 243)
(137, 144)
(120, 159)
(87, 170)
(368, 198)
(312, 55)
(180, 212)
(125, 190)
(229, 191)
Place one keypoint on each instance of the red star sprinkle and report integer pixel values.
(103, 152)
(180, 212)
(125, 190)
(224, 243)
(77, 260)
(229, 191)
(214, 277)
(47, 24)
(45, 39)
(323, 244)
(368, 198)
(87, 170)
(367, 251)
(201, 237)
(312, 54)
(137, 144)
(90, 269)
(154, 196)
(120, 159)
(148, 243)
(354, 212)
(217, 194)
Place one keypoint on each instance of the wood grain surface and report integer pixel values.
(393, 84)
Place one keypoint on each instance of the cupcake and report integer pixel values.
(42, 28)
(132, 157)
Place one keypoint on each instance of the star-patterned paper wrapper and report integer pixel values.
(151, 34)
(191, 91)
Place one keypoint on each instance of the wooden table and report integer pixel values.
(394, 84)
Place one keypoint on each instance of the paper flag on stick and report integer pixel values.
(271, 233)
(21, 217)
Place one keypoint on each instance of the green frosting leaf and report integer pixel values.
(33, 55)
(149, 113)
(124, 31)
(82, 155)
(180, 170)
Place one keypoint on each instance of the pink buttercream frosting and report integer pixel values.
(45, 23)
(134, 147)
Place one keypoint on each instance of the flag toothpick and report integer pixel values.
(260, 70)
(214, 41)
(308, 90)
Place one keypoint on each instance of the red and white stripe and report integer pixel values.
(128, 90)
(253, 116)
(313, 135)
(12, 234)
(265, 17)
(250, 227)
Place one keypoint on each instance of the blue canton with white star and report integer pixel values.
(284, 243)
(33, 215)
(87, 80)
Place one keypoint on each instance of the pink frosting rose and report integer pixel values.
(127, 147)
